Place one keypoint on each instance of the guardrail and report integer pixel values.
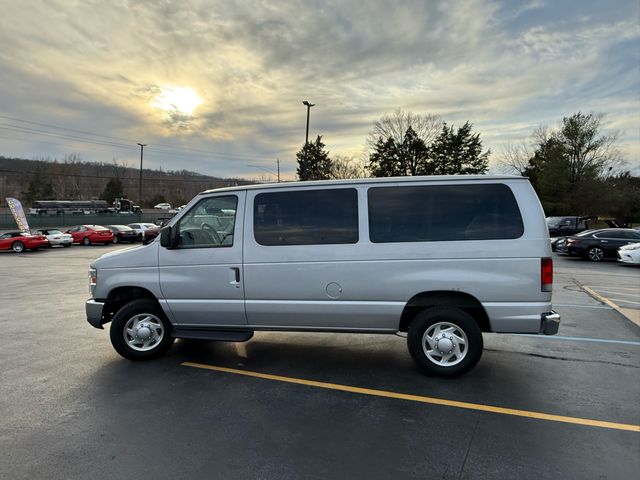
(7, 221)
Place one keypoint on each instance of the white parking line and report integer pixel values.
(577, 339)
(617, 292)
(620, 300)
(605, 307)
(607, 301)
(620, 288)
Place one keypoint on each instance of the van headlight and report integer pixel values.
(93, 279)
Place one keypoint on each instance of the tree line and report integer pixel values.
(401, 144)
(74, 179)
(575, 168)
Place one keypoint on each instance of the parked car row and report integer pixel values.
(80, 234)
(562, 227)
(20, 241)
(597, 245)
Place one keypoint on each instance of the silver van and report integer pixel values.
(443, 258)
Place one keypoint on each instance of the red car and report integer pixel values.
(19, 242)
(88, 234)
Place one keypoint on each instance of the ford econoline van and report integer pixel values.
(443, 258)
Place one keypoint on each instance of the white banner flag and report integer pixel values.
(18, 214)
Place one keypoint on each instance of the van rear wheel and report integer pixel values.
(141, 331)
(445, 341)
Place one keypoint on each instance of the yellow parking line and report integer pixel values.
(625, 312)
(421, 399)
(600, 298)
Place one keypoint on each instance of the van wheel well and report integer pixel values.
(118, 297)
(463, 301)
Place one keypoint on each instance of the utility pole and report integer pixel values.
(268, 170)
(306, 138)
(142, 145)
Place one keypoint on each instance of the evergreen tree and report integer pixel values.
(390, 159)
(313, 161)
(112, 190)
(458, 152)
(384, 162)
(39, 187)
(571, 165)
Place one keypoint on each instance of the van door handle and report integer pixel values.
(234, 274)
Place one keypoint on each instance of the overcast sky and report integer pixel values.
(223, 81)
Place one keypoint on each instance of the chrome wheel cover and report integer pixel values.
(445, 344)
(143, 332)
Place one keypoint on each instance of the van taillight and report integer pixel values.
(546, 274)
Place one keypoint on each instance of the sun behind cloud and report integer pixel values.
(177, 100)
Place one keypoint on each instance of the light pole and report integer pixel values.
(306, 138)
(142, 145)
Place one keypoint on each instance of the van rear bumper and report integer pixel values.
(522, 317)
(550, 323)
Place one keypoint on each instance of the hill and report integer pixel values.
(73, 179)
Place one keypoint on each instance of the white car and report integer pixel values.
(163, 206)
(56, 237)
(629, 253)
(141, 227)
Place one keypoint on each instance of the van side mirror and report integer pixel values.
(167, 237)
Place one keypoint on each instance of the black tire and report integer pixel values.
(463, 323)
(116, 240)
(17, 247)
(86, 241)
(595, 254)
(65, 245)
(129, 312)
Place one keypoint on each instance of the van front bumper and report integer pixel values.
(550, 323)
(94, 312)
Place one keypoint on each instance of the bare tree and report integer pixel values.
(395, 126)
(514, 157)
(347, 167)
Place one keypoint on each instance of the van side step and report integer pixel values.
(207, 334)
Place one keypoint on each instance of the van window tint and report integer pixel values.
(443, 213)
(209, 223)
(306, 217)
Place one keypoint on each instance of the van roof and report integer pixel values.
(359, 181)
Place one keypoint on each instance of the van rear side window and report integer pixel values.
(443, 213)
(306, 217)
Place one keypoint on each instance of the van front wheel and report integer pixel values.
(141, 331)
(445, 341)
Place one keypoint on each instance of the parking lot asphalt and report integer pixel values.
(616, 285)
(292, 405)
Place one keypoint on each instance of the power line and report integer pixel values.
(129, 141)
(17, 128)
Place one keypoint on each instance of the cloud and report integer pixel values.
(505, 66)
